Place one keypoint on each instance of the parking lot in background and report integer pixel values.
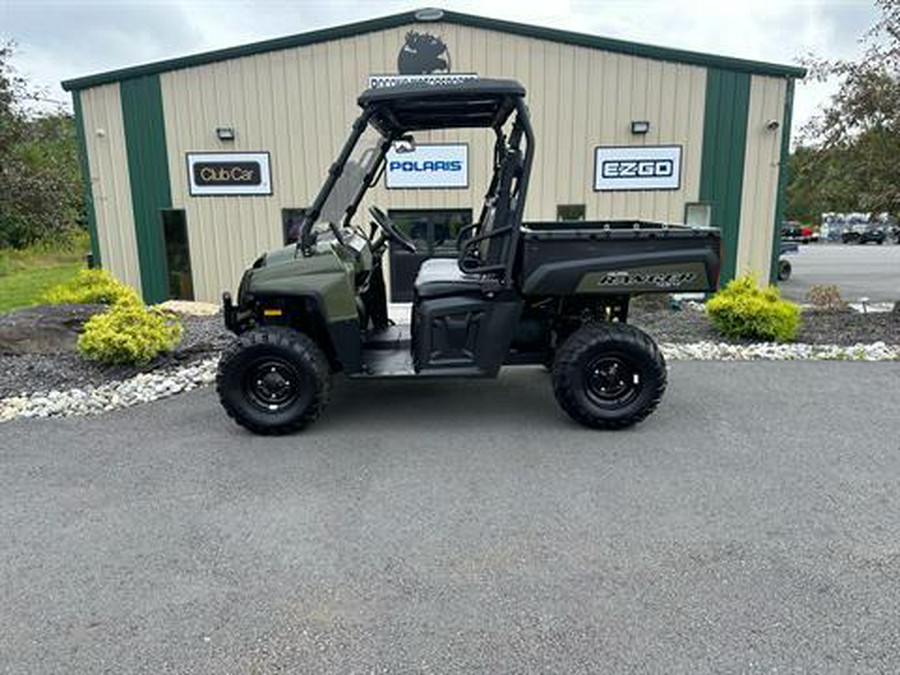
(860, 271)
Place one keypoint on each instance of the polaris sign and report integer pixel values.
(638, 168)
(428, 166)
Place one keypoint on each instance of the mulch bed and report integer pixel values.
(202, 337)
(817, 327)
(206, 336)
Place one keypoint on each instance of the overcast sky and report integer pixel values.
(60, 39)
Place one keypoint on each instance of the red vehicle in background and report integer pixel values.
(794, 231)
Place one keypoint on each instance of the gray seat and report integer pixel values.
(439, 277)
(442, 277)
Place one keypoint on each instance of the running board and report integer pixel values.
(385, 362)
(392, 337)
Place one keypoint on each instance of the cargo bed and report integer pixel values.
(616, 257)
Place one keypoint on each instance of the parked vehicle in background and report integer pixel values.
(784, 265)
(859, 228)
(864, 235)
(794, 231)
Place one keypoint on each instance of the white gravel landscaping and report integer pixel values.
(145, 387)
(93, 400)
(769, 351)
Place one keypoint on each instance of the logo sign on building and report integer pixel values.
(423, 59)
(229, 173)
(428, 166)
(642, 167)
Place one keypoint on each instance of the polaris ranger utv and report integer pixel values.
(552, 294)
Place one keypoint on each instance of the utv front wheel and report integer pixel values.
(609, 376)
(273, 380)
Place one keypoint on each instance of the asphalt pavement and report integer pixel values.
(749, 525)
(859, 271)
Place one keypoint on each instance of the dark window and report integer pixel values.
(570, 212)
(433, 232)
(178, 255)
(291, 219)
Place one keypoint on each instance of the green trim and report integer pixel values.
(81, 141)
(722, 162)
(783, 169)
(148, 173)
(407, 18)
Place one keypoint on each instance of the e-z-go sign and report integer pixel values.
(646, 167)
(229, 173)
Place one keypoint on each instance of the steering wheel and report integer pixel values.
(387, 226)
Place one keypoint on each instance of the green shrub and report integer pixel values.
(744, 310)
(91, 287)
(129, 334)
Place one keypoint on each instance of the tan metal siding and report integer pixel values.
(104, 135)
(761, 167)
(298, 104)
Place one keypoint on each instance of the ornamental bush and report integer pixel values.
(744, 310)
(91, 287)
(129, 334)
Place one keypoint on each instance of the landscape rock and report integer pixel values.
(44, 329)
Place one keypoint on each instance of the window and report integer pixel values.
(698, 214)
(178, 256)
(570, 212)
(291, 219)
(433, 232)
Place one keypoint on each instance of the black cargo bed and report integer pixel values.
(618, 257)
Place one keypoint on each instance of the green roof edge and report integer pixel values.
(407, 18)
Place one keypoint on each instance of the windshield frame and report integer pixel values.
(306, 240)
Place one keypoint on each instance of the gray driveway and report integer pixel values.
(868, 271)
(750, 525)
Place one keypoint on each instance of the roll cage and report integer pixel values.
(484, 103)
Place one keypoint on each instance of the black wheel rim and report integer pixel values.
(273, 384)
(612, 381)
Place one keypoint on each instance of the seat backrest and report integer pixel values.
(495, 249)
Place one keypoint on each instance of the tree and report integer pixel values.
(40, 180)
(847, 160)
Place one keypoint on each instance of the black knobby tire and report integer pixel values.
(609, 376)
(274, 380)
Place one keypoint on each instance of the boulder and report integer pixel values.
(45, 329)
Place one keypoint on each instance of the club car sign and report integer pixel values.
(428, 166)
(229, 173)
(637, 168)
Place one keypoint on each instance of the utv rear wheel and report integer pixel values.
(609, 376)
(273, 380)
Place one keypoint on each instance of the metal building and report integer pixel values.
(198, 164)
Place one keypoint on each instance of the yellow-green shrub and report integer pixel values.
(744, 310)
(91, 287)
(129, 333)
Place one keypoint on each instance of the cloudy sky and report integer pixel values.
(60, 39)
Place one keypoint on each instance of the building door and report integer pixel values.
(179, 280)
(434, 233)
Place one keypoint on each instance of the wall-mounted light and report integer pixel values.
(225, 133)
(640, 126)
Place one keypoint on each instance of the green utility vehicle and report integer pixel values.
(551, 294)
